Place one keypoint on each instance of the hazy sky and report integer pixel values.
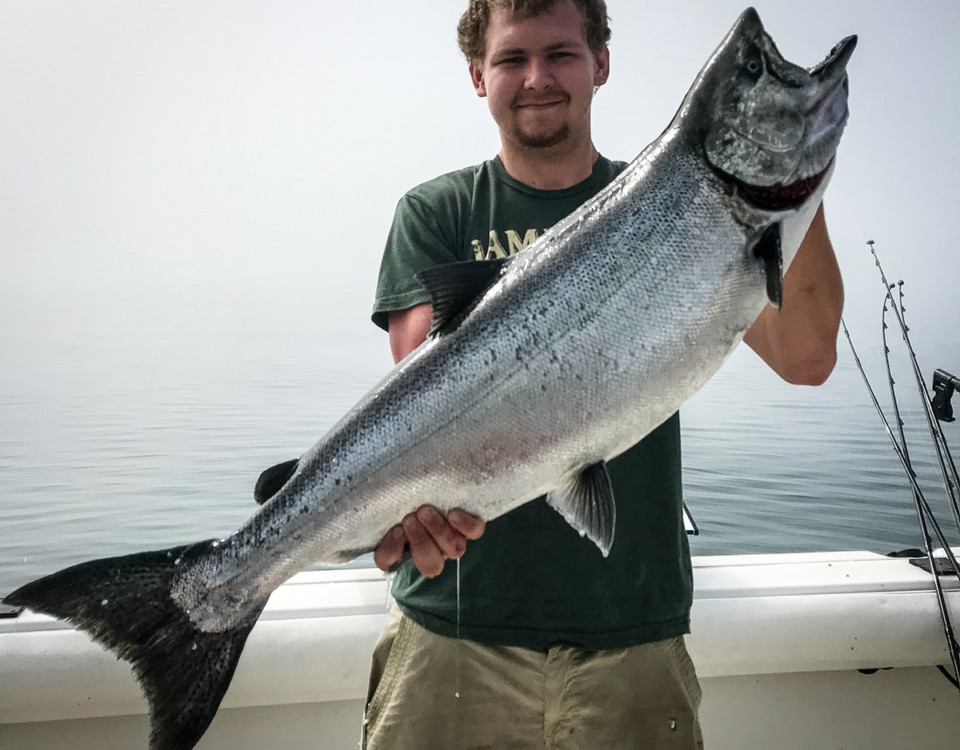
(237, 162)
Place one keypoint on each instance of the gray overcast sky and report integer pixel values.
(237, 162)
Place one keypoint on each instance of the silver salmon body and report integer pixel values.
(539, 369)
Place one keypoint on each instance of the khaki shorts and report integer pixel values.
(428, 692)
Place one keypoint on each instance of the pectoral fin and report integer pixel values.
(768, 250)
(455, 287)
(586, 503)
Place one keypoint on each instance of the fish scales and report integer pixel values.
(468, 395)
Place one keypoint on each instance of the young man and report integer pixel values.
(534, 639)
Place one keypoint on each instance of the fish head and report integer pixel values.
(768, 127)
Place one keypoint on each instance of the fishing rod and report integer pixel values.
(928, 413)
(935, 411)
(922, 508)
(911, 475)
(948, 470)
(924, 511)
(945, 618)
(938, 410)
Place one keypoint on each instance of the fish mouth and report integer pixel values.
(838, 56)
(778, 197)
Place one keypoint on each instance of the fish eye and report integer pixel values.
(752, 65)
(752, 69)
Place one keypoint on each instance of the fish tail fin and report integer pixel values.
(125, 604)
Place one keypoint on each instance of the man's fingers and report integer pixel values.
(390, 549)
(467, 524)
(426, 554)
(449, 541)
(433, 539)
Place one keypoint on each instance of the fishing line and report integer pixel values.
(456, 693)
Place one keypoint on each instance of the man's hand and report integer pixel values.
(433, 539)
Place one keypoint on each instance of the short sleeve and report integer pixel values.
(417, 240)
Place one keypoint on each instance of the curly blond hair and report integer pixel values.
(472, 29)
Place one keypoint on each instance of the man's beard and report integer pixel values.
(542, 140)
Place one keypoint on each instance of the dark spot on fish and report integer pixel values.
(337, 482)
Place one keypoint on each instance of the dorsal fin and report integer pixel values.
(768, 250)
(455, 287)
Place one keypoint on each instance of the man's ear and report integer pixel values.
(602, 71)
(476, 76)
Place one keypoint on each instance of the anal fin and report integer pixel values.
(586, 503)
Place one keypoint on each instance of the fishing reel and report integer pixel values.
(944, 384)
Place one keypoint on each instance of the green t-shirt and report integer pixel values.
(531, 580)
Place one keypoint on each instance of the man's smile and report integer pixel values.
(540, 104)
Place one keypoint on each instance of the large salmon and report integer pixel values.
(540, 369)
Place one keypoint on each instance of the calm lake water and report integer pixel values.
(113, 444)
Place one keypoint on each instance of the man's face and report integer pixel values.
(538, 75)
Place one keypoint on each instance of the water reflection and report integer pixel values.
(115, 444)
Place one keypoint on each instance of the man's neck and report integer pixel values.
(550, 168)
